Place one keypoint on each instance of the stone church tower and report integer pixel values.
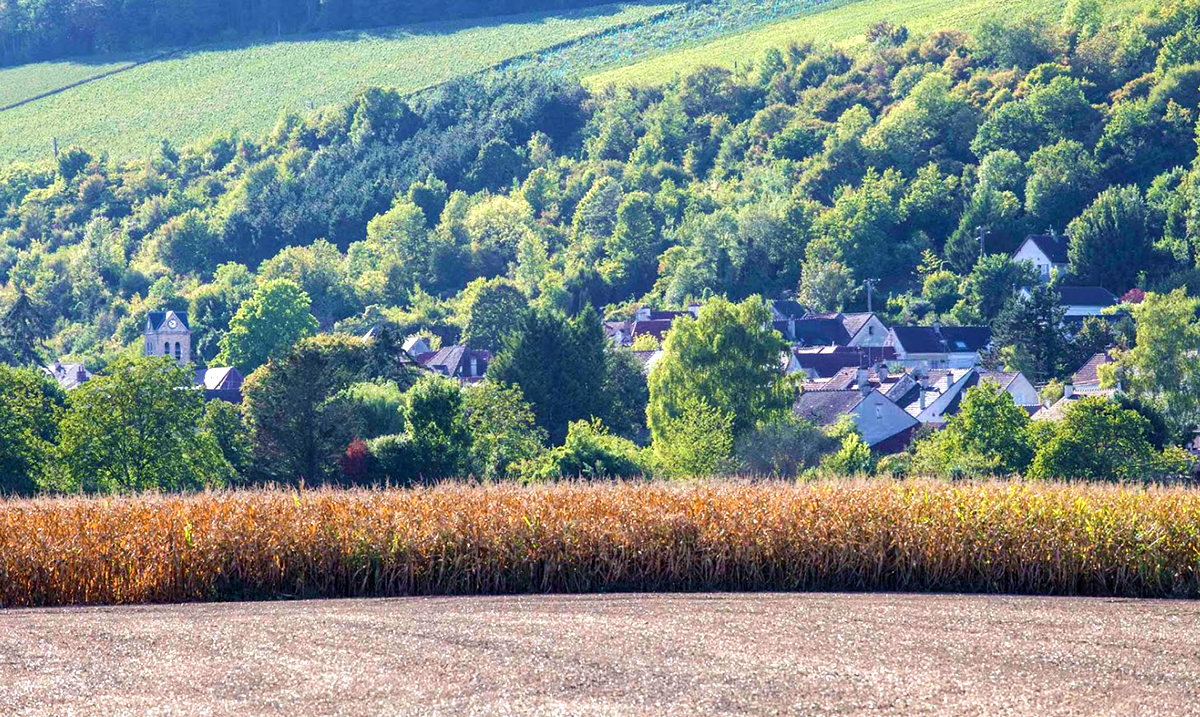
(168, 334)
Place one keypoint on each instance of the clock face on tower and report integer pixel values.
(172, 323)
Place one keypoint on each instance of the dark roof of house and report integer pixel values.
(1054, 247)
(449, 359)
(947, 339)
(827, 360)
(155, 319)
(1086, 296)
(666, 315)
(821, 331)
(214, 379)
(789, 308)
(966, 338)
(855, 322)
(1089, 372)
(825, 407)
(655, 327)
(918, 339)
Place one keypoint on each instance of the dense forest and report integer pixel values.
(808, 171)
(33, 30)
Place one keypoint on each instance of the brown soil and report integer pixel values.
(771, 654)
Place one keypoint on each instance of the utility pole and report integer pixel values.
(869, 285)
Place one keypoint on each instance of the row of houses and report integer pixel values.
(889, 380)
(167, 333)
(888, 407)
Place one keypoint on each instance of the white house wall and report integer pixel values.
(1029, 252)
(878, 418)
(873, 334)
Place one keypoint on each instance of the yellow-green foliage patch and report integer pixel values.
(245, 87)
(843, 23)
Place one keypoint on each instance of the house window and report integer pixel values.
(878, 412)
(870, 331)
(178, 351)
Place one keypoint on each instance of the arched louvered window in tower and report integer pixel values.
(178, 351)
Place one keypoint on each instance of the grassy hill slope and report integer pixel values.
(842, 21)
(246, 87)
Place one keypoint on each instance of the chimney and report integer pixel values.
(882, 371)
(862, 378)
(924, 381)
(1068, 390)
(937, 325)
(643, 313)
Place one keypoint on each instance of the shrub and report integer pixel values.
(782, 449)
(393, 459)
(590, 451)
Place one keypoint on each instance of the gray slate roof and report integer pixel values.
(825, 407)
(1086, 296)
(155, 319)
(1054, 247)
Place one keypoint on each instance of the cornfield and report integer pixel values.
(1013, 537)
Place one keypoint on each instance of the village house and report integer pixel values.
(1086, 380)
(1084, 383)
(459, 362)
(220, 384)
(1046, 252)
(822, 362)
(784, 315)
(645, 322)
(69, 376)
(884, 426)
(648, 359)
(939, 347)
(1083, 301)
(860, 329)
(942, 390)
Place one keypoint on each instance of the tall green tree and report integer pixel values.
(559, 364)
(1031, 334)
(728, 358)
(1098, 440)
(491, 309)
(23, 328)
(438, 431)
(135, 429)
(300, 417)
(1163, 367)
(1112, 241)
(503, 429)
(988, 436)
(267, 325)
(30, 408)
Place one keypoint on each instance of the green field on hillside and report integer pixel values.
(21, 83)
(843, 21)
(246, 87)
